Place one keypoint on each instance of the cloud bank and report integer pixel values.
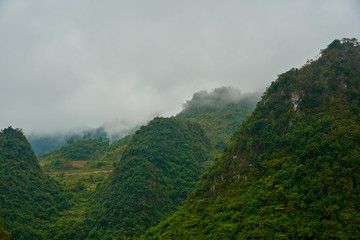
(70, 64)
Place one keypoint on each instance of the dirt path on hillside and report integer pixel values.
(80, 173)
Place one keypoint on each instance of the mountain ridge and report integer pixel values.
(28, 197)
(219, 112)
(157, 169)
(291, 171)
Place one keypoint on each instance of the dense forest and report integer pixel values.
(4, 235)
(28, 197)
(157, 170)
(292, 169)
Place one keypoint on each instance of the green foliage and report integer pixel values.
(81, 181)
(292, 169)
(86, 149)
(158, 168)
(4, 235)
(219, 112)
(28, 198)
(113, 153)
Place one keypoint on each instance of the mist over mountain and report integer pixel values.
(144, 119)
(288, 167)
(45, 143)
(224, 108)
(130, 61)
(292, 169)
(217, 98)
(158, 168)
(220, 112)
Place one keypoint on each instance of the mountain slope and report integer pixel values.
(158, 168)
(86, 149)
(292, 171)
(80, 178)
(219, 112)
(28, 198)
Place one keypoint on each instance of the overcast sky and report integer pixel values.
(68, 64)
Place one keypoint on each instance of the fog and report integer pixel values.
(219, 97)
(68, 65)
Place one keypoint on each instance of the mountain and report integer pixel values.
(87, 150)
(292, 170)
(43, 144)
(158, 168)
(219, 112)
(29, 199)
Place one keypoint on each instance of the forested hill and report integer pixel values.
(292, 170)
(28, 198)
(158, 168)
(87, 149)
(220, 112)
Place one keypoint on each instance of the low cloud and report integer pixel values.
(78, 64)
(219, 97)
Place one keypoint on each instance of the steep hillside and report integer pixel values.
(292, 170)
(219, 112)
(28, 198)
(159, 167)
(114, 152)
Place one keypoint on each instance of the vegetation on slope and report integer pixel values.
(4, 235)
(292, 171)
(219, 112)
(86, 150)
(81, 180)
(28, 198)
(158, 168)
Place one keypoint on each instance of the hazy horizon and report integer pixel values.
(69, 65)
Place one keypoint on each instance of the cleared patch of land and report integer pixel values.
(78, 164)
(79, 173)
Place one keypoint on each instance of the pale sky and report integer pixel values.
(68, 64)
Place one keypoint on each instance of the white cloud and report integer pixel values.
(66, 64)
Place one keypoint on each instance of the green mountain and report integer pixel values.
(158, 168)
(87, 150)
(292, 170)
(219, 112)
(29, 199)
